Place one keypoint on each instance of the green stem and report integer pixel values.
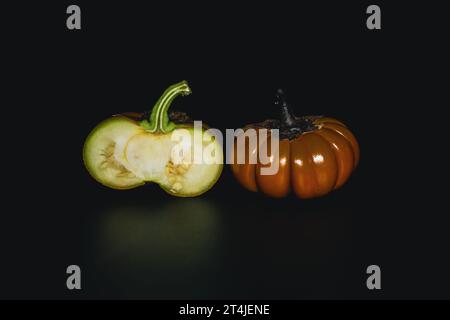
(159, 118)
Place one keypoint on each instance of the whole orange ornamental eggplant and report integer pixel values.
(316, 155)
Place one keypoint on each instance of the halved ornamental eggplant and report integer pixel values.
(128, 150)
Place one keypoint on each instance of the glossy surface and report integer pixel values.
(310, 165)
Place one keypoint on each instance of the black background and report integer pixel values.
(387, 85)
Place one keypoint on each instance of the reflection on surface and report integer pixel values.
(198, 248)
(147, 243)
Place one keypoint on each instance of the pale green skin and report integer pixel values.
(121, 153)
(92, 148)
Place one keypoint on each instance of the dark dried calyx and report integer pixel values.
(179, 117)
(175, 116)
(289, 125)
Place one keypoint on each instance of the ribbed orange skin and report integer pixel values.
(311, 165)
